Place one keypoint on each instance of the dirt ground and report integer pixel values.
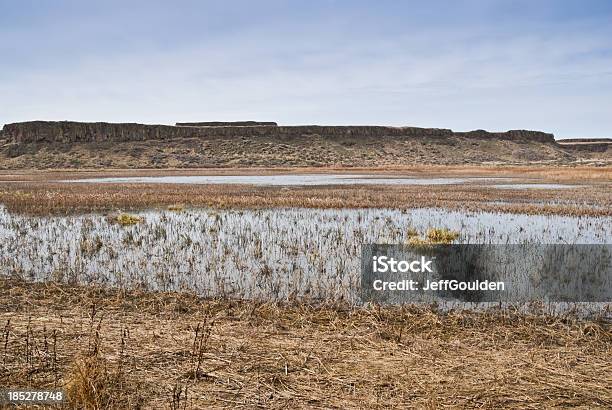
(116, 349)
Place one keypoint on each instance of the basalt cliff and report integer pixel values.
(67, 144)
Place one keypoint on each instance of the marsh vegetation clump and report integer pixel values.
(176, 207)
(433, 236)
(442, 235)
(91, 246)
(411, 233)
(124, 219)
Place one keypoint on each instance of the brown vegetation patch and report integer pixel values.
(548, 173)
(159, 350)
(60, 198)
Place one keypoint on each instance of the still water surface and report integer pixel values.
(320, 179)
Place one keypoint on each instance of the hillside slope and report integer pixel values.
(46, 144)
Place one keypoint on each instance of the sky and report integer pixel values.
(488, 64)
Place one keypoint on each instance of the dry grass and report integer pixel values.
(126, 219)
(441, 235)
(552, 173)
(433, 236)
(91, 385)
(176, 207)
(116, 349)
(35, 193)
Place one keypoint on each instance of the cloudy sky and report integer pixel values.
(464, 65)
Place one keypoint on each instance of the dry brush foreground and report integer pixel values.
(116, 349)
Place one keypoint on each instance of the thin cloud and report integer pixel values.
(550, 75)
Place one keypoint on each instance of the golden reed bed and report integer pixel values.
(35, 192)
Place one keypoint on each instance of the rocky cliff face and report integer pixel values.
(587, 144)
(78, 132)
(227, 124)
(64, 144)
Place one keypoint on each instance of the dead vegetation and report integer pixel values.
(433, 236)
(548, 172)
(37, 192)
(92, 384)
(124, 219)
(120, 349)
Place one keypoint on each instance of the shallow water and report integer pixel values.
(536, 186)
(265, 254)
(315, 179)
